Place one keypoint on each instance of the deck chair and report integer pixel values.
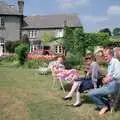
(56, 80)
(68, 78)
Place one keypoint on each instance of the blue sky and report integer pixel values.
(94, 14)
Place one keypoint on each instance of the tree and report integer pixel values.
(76, 40)
(102, 39)
(79, 41)
(68, 41)
(47, 37)
(116, 31)
(107, 31)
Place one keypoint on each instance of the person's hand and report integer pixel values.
(106, 79)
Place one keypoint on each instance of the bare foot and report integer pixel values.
(103, 110)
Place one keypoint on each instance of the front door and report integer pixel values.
(1, 50)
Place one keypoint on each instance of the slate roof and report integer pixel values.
(52, 21)
(6, 9)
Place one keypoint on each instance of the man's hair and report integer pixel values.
(109, 51)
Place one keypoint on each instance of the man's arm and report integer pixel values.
(107, 79)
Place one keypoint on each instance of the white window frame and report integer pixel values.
(32, 34)
(59, 49)
(59, 33)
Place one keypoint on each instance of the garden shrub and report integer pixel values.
(11, 45)
(9, 61)
(8, 58)
(36, 63)
(21, 52)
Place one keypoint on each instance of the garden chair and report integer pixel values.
(68, 77)
(56, 80)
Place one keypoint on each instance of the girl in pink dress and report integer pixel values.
(64, 74)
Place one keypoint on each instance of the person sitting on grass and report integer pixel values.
(89, 81)
(109, 83)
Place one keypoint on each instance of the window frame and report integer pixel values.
(2, 22)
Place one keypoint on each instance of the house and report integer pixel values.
(37, 26)
(14, 25)
(10, 24)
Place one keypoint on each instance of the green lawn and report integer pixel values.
(25, 95)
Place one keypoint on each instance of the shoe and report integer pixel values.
(97, 109)
(77, 105)
(67, 98)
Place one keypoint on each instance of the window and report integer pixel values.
(2, 22)
(33, 34)
(1, 40)
(59, 33)
(59, 49)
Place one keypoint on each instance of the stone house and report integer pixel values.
(10, 24)
(14, 25)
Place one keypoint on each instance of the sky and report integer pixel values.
(94, 14)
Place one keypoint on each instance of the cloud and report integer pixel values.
(113, 10)
(95, 19)
(66, 4)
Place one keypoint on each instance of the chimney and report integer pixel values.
(21, 6)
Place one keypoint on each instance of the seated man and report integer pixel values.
(110, 83)
(91, 77)
(117, 52)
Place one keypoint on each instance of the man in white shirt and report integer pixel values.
(110, 83)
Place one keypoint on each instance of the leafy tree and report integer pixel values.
(68, 41)
(102, 39)
(116, 31)
(47, 37)
(79, 41)
(96, 39)
(107, 31)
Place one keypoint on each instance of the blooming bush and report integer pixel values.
(44, 70)
(41, 57)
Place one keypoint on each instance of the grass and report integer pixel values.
(25, 95)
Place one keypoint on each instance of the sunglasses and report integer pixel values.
(88, 58)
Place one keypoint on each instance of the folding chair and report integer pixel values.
(56, 80)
